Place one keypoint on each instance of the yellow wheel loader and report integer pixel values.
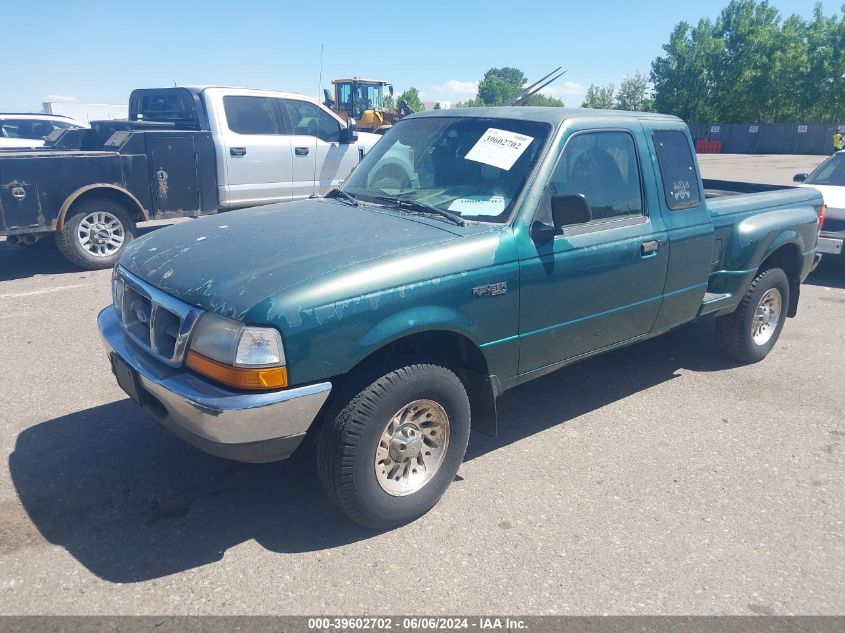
(363, 100)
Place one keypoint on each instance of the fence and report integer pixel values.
(766, 138)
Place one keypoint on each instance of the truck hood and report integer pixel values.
(229, 263)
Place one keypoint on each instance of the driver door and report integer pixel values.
(320, 162)
(601, 282)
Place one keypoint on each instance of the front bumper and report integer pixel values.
(248, 427)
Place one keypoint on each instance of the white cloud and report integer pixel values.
(566, 88)
(457, 87)
(60, 98)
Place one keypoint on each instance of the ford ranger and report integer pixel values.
(184, 152)
(471, 251)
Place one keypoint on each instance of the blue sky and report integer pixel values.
(99, 51)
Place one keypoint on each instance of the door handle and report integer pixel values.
(237, 151)
(300, 151)
(648, 249)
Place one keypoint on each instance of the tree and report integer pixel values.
(749, 65)
(599, 97)
(412, 97)
(500, 85)
(545, 101)
(633, 94)
(388, 102)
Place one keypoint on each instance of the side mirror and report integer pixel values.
(349, 134)
(390, 89)
(570, 208)
(799, 177)
(328, 102)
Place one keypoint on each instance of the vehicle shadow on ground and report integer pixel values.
(132, 502)
(829, 274)
(43, 258)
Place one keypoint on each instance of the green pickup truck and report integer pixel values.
(471, 251)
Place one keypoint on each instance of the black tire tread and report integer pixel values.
(730, 329)
(340, 437)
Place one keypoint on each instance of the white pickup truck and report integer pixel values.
(184, 152)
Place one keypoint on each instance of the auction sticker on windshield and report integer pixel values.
(499, 148)
(479, 205)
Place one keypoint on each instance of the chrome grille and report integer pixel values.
(153, 319)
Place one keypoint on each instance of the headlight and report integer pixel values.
(238, 355)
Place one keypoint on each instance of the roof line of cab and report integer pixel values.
(544, 114)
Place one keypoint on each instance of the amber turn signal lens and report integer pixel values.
(239, 377)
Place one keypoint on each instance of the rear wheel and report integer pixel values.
(392, 451)
(749, 333)
(96, 233)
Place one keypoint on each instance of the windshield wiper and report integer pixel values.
(340, 194)
(421, 207)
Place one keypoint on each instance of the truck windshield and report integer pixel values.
(830, 172)
(472, 167)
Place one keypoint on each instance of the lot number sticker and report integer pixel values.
(479, 205)
(499, 148)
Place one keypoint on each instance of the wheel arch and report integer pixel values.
(449, 348)
(786, 255)
(102, 190)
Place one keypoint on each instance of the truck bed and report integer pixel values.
(721, 188)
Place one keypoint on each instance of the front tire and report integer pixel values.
(392, 451)
(96, 233)
(750, 332)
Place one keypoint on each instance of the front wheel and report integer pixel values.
(750, 332)
(392, 451)
(96, 234)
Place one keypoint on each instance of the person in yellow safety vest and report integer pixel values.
(838, 141)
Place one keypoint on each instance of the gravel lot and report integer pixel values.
(656, 479)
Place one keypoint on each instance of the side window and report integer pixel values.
(10, 129)
(251, 115)
(329, 128)
(61, 125)
(677, 168)
(23, 128)
(40, 129)
(603, 166)
(309, 120)
(303, 117)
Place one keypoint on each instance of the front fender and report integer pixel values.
(425, 318)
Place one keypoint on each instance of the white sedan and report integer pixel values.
(829, 179)
(26, 131)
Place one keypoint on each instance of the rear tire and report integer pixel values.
(749, 333)
(96, 233)
(392, 451)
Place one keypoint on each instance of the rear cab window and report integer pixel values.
(677, 170)
(167, 105)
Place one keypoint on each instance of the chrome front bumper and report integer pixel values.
(249, 427)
